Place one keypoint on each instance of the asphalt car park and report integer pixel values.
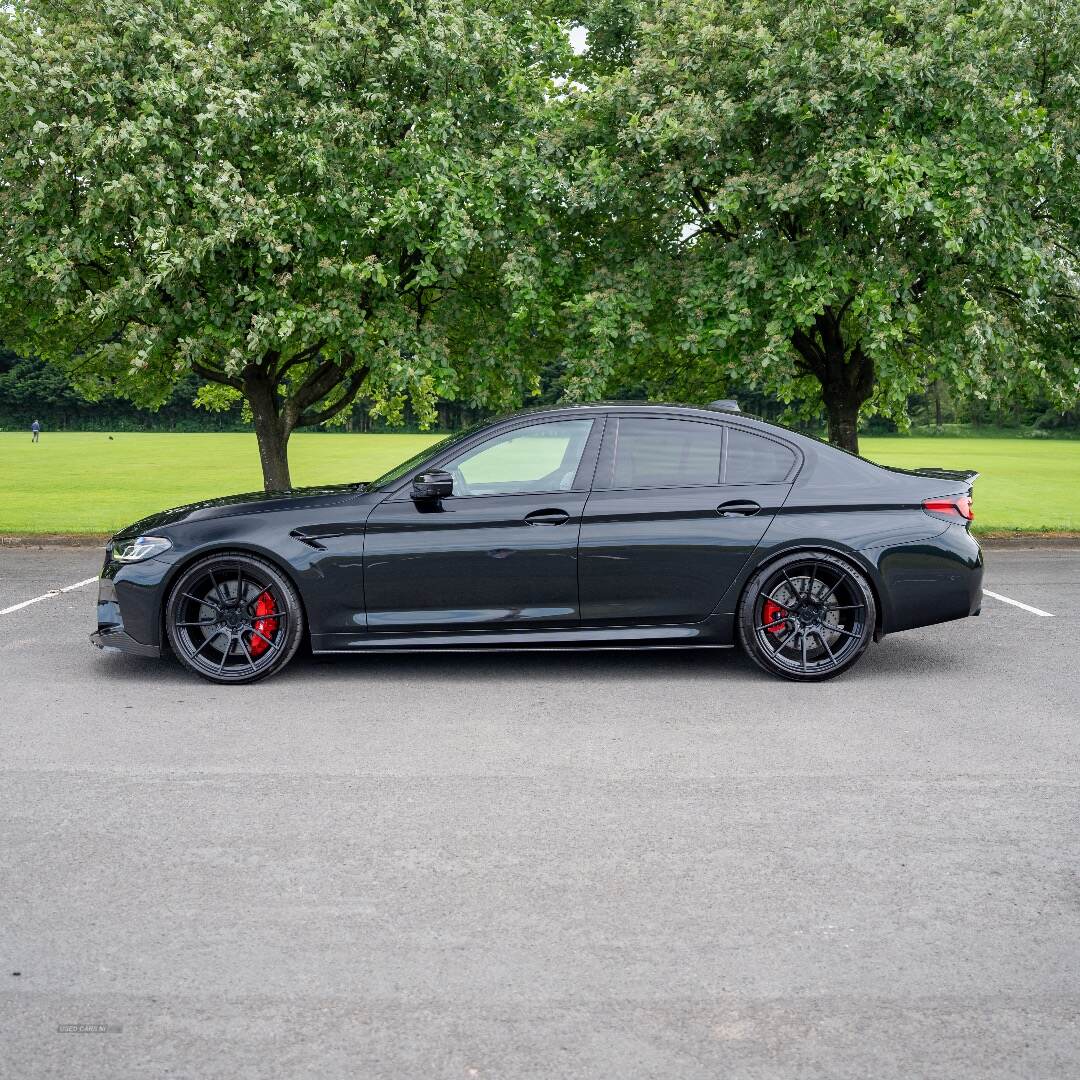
(628, 864)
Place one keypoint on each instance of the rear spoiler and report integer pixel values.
(964, 476)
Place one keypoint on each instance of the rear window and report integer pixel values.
(754, 460)
(666, 453)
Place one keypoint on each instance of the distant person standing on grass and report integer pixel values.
(35, 427)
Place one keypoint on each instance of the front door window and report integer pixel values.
(526, 461)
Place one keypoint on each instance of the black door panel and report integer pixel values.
(473, 563)
(666, 555)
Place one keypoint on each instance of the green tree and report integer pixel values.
(296, 200)
(26, 385)
(837, 202)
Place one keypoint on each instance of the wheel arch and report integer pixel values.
(859, 561)
(181, 567)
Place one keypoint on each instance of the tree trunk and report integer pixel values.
(846, 375)
(274, 455)
(304, 389)
(844, 423)
(848, 382)
(271, 431)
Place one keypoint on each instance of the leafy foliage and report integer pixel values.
(302, 201)
(838, 203)
(295, 199)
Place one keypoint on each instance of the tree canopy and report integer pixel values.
(835, 202)
(304, 200)
(293, 199)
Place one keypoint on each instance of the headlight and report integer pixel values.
(142, 547)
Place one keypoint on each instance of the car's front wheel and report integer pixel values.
(808, 616)
(233, 618)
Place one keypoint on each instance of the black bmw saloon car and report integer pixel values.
(599, 526)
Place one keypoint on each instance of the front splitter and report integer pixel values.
(121, 641)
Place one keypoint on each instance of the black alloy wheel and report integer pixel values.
(807, 617)
(233, 619)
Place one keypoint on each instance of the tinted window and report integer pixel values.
(666, 453)
(753, 460)
(543, 457)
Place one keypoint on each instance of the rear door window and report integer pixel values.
(652, 453)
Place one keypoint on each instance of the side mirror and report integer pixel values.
(432, 486)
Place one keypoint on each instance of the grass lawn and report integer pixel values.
(85, 482)
(1024, 484)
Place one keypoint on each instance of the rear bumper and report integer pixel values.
(116, 638)
(932, 581)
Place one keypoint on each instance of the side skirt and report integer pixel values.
(713, 633)
(569, 647)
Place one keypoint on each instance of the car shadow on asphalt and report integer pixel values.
(900, 657)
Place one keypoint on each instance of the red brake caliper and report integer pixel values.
(770, 613)
(267, 627)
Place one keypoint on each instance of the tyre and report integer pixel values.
(807, 616)
(233, 618)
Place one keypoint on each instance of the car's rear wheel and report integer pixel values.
(233, 618)
(807, 617)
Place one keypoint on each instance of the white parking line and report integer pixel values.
(1015, 603)
(46, 596)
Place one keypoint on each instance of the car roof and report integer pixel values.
(806, 444)
(668, 408)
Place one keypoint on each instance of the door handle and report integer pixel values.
(738, 509)
(547, 517)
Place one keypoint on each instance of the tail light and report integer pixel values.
(953, 508)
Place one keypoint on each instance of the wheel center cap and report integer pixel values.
(233, 618)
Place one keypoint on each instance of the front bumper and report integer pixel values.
(127, 608)
(116, 638)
